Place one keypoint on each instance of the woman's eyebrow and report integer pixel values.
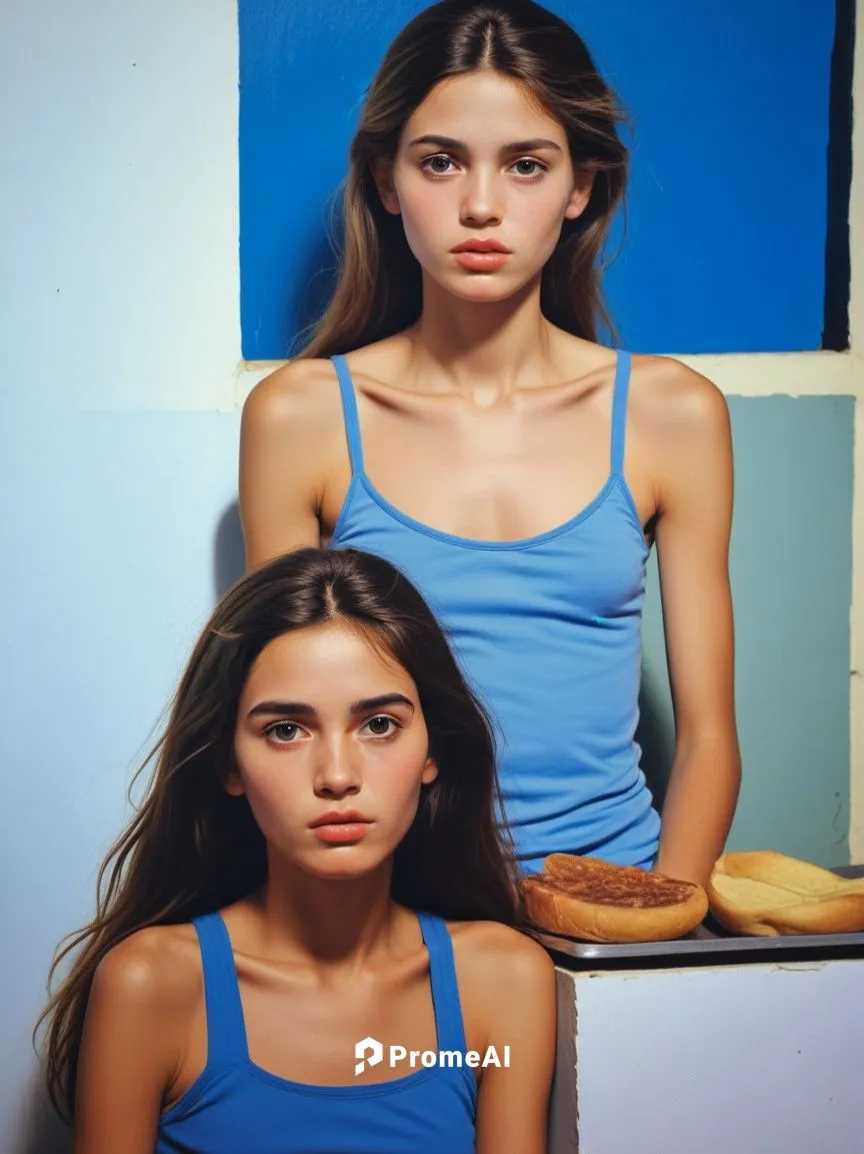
(379, 702)
(303, 709)
(448, 142)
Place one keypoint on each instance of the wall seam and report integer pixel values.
(856, 340)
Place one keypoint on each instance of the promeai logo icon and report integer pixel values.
(367, 1051)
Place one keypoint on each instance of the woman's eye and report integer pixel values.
(441, 165)
(534, 164)
(381, 726)
(431, 161)
(283, 732)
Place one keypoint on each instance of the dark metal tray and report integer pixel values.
(710, 943)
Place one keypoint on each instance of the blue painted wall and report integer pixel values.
(725, 243)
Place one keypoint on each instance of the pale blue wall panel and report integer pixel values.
(791, 565)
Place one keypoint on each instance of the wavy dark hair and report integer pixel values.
(192, 848)
(379, 289)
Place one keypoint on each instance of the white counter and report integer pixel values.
(753, 1058)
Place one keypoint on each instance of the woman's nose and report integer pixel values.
(481, 201)
(337, 768)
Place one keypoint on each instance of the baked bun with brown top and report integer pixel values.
(766, 894)
(595, 901)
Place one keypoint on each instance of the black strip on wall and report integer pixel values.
(835, 333)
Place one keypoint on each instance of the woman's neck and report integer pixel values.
(484, 350)
(335, 924)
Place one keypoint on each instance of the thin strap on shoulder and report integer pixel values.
(619, 410)
(449, 1025)
(226, 1031)
(349, 409)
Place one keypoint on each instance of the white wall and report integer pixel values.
(120, 343)
(119, 133)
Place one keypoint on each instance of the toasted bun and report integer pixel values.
(767, 894)
(595, 901)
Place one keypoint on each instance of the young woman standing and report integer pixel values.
(454, 413)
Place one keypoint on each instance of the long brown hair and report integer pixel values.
(379, 289)
(192, 848)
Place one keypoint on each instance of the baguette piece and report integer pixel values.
(596, 901)
(767, 894)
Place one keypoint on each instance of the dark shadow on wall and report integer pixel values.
(229, 554)
(656, 735)
(42, 1132)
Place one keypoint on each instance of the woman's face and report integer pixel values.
(328, 727)
(477, 161)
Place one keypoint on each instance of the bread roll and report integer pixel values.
(595, 901)
(766, 894)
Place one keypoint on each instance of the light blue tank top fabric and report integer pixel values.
(548, 631)
(235, 1107)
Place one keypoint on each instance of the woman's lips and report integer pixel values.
(337, 832)
(481, 261)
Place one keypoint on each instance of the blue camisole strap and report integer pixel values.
(619, 410)
(226, 1030)
(445, 990)
(349, 408)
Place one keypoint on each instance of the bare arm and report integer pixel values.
(129, 1051)
(513, 1103)
(282, 454)
(693, 529)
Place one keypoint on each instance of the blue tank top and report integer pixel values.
(548, 630)
(235, 1107)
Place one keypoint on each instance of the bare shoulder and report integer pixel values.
(507, 988)
(382, 362)
(145, 995)
(297, 391)
(157, 969)
(683, 433)
(499, 958)
(668, 397)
